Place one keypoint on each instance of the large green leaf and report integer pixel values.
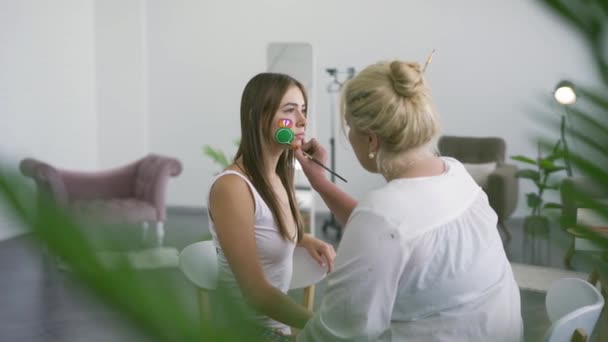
(548, 187)
(552, 205)
(549, 166)
(524, 159)
(559, 153)
(588, 131)
(216, 155)
(151, 302)
(554, 169)
(601, 102)
(533, 200)
(528, 174)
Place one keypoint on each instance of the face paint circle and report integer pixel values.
(284, 136)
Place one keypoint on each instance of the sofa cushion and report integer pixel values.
(127, 210)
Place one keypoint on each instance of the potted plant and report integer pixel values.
(541, 175)
(218, 156)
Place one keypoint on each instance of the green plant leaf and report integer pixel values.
(600, 101)
(548, 166)
(552, 205)
(554, 169)
(524, 159)
(557, 155)
(528, 174)
(150, 302)
(587, 131)
(533, 200)
(216, 155)
(548, 186)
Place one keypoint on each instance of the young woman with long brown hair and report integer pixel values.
(253, 213)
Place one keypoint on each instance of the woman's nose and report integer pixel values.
(301, 119)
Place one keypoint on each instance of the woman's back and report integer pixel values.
(457, 281)
(434, 268)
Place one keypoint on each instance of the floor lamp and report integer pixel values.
(338, 78)
(564, 94)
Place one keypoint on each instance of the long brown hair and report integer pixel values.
(260, 101)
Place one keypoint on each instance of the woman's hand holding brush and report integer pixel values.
(313, 157)
(339, 202)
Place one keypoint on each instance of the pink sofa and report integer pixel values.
(134, 193)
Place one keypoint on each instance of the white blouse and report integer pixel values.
(421, 260)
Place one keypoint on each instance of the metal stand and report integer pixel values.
(333, 88)
(331, 221)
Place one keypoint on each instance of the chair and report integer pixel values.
(498, 180)
(573, 306)
(134, 193)
(574, 211)
(198, 262)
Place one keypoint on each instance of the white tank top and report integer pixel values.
(274, 252)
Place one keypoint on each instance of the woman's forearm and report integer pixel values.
(339, 202)
(280, 307)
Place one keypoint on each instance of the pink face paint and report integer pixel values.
(285, 123)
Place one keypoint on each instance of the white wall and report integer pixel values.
(46, 81)
(494, 60)
(194, 87)
(92, 84)
(47, 106)
(121, 88)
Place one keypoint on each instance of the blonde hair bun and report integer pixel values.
(407, 78)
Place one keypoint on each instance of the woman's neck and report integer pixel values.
(428, 167)
(421, 162)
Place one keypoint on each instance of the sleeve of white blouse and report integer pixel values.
(361, 291)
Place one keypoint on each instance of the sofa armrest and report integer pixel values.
(153, 175)
(47, 178)
(503, 189)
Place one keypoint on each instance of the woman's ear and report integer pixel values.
(374, 142)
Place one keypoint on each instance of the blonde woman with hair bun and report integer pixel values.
(420, 258)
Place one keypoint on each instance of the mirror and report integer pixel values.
(296, 60)
(293, 59)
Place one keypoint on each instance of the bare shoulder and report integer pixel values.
(228, 192)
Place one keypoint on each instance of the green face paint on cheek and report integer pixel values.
(284, 136)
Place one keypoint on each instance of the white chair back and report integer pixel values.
(571, 304)
(198, 262)
(306, 270)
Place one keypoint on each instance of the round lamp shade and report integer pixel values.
(564, 93)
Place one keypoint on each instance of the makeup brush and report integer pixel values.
(323, 166)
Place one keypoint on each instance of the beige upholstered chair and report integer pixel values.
(500, 185)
